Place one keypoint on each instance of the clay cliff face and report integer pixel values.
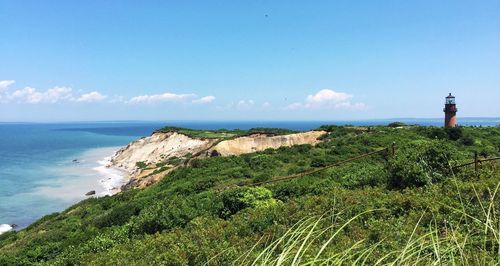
(260, 142)
(159, 147)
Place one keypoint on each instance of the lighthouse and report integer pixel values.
(450, 111)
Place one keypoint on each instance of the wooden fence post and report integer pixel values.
(476, 163)
(393, 148)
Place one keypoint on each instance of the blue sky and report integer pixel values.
(247, 60)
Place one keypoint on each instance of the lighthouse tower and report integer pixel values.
(450, 111)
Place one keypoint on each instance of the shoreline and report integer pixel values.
(74, 176)
(113, 178)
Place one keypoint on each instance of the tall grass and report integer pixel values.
(472, 240)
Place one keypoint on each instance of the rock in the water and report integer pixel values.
(90, 193)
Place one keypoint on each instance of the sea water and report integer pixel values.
(46, 168)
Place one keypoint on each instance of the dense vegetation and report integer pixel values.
(224, 133)
(410, 208)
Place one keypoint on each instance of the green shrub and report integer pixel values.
(197, 163)
(319, 162)
(420, 163)
(454, 133)
(118, 215)
(42, 220)
(141, 165)
(239, 199)
(467, 139)
(174, 160)
(432, 132)
(270, 131)
(177, 211)
(369, 175)
(263, 162)
(262, 177)
(160, 216)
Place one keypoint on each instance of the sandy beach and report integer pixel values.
(112, 177)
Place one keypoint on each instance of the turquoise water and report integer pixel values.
(38, 175)
(37, 172)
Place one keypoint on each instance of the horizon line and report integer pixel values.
(236, 120)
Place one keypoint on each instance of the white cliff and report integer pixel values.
(161, 146)
(157, 148)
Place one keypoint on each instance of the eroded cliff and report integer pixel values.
(260, 142)
(158, 148)
(148, 159)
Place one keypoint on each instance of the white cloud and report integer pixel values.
(6, 83)
(327, 96)
(91, 97)
(65, 94)
(266, 105)
(165, 97)
(327, 99)
(245, 104)
(32, 95)
(203, 100)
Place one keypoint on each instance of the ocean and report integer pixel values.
(47, 167)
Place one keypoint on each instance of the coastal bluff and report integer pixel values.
(260, 142)
(149, 159)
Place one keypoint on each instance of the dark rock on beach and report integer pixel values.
(129, 185)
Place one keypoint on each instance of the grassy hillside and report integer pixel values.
(405, 209)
